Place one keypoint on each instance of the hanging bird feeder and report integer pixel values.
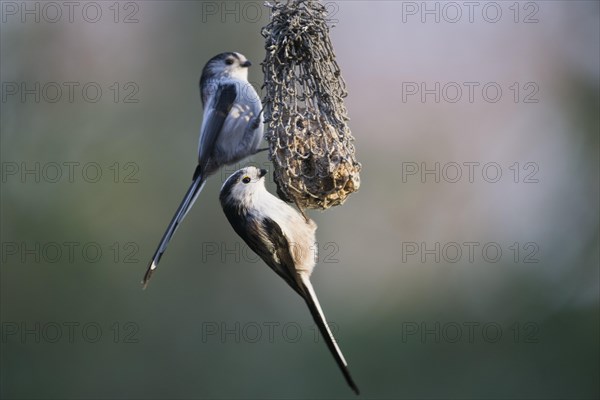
(310, 143)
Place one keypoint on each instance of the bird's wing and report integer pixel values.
(267, 240)
(319, 317)
(283, 263)
(214, 117)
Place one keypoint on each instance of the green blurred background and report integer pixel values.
(217, 323)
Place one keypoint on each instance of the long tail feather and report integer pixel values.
(319, 317)
(186, 204)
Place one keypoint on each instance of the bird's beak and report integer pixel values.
(262, 172)
(246, 64)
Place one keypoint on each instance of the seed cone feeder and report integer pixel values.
(310, 143)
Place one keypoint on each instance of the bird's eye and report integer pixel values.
(246, 179)
(229, 61)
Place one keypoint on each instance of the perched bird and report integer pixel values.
(282, 237)
(232, 129)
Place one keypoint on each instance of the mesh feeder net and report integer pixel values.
(310, 143)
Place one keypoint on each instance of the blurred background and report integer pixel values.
(465, 267)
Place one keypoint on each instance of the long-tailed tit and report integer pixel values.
(232, 129)
(282, 237)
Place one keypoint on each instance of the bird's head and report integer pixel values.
(224, 65)
(229, 64)
(242, 186)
